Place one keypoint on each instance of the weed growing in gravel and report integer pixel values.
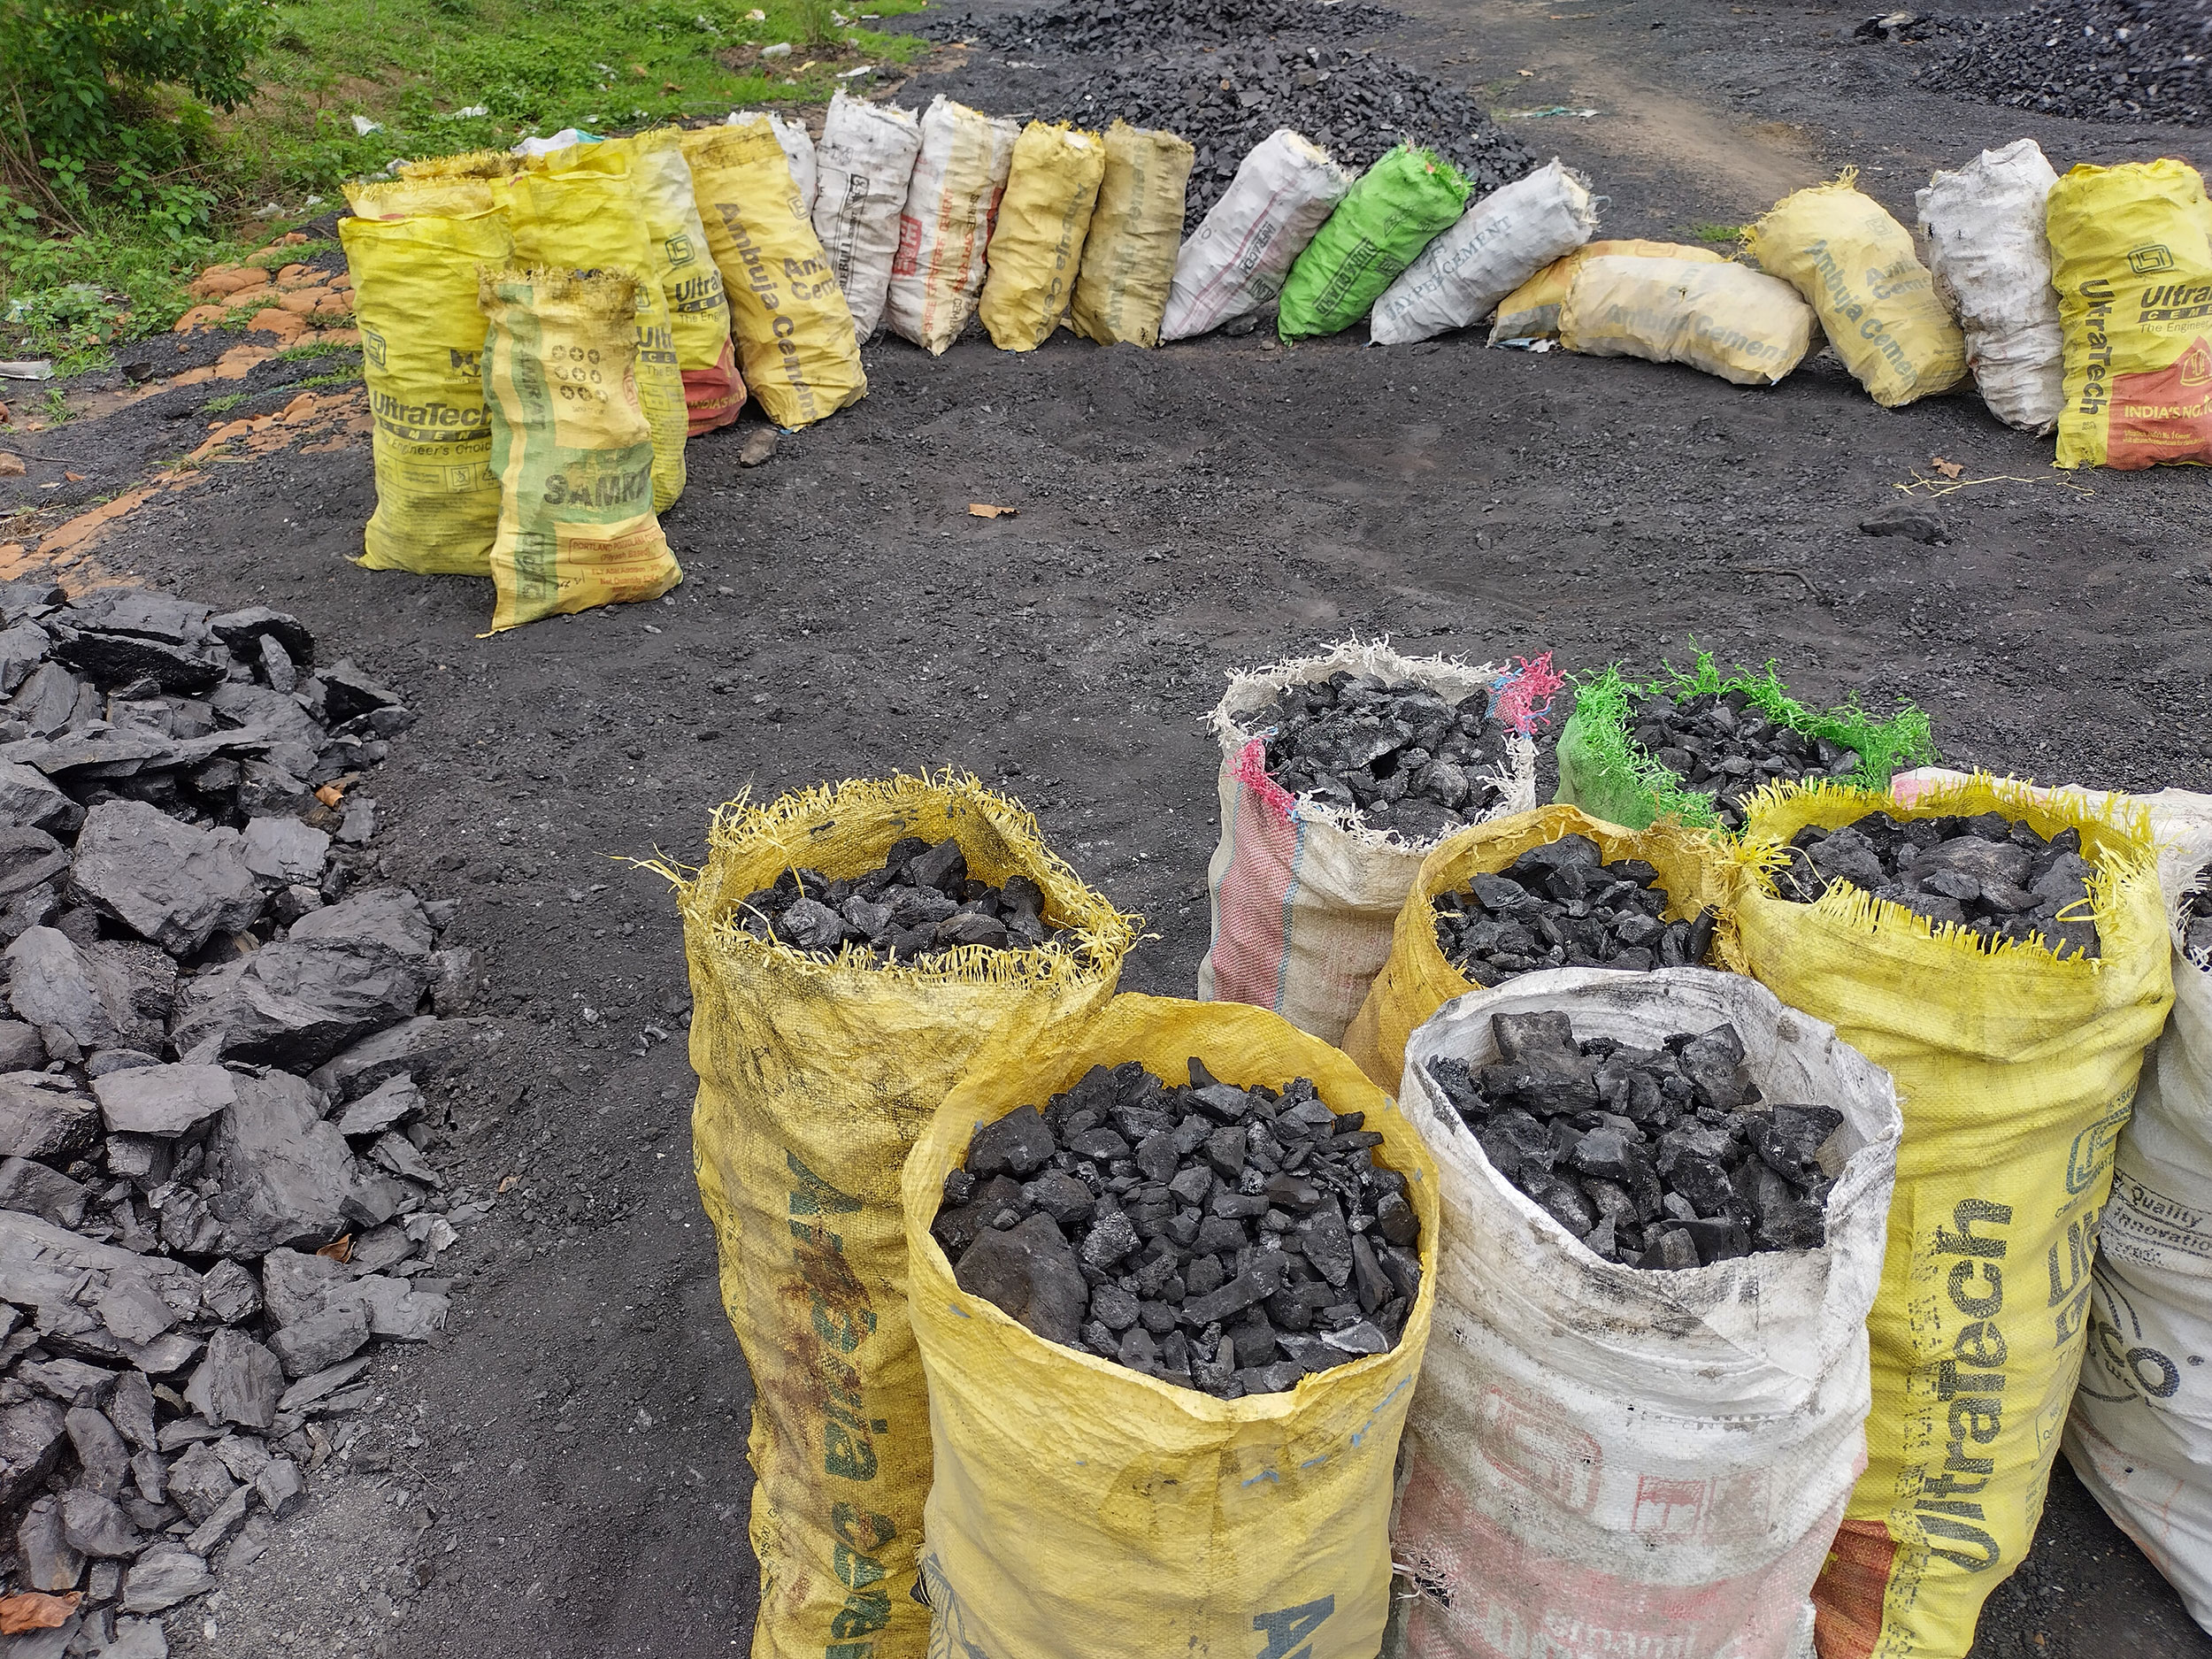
(224, 405)
(341, 377)
(1718, 233)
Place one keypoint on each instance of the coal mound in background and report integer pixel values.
(1354, 105)
(2097, 60)
(1120, 28)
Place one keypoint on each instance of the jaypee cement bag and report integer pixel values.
(964, 158)
(2017, 1073)
(1746, 328)
(1235, 262)
(2141, 1436)
(1496, 246)
(1418, 980)
(1080, 1508)
(1530, 312)
(2131, 257)
(1858, 269)
(571, 449)
(1396, 208)
(816, 1079)
(1304, 895)
(1136, 228)
(1036, 248)
(862, 167)
(1992, 265)
(422, 346)
(1605, 1459)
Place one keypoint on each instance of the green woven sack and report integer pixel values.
(1606, 772)
(1399, 206)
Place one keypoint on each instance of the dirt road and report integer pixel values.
(567, 1476)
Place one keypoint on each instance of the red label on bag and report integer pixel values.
(2163, 415)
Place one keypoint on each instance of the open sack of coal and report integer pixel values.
(1691, 747)
(1338, 773)
(1252, 1224)
(1745, 1377)
(917, 904)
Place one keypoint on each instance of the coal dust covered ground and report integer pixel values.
(564, 1472)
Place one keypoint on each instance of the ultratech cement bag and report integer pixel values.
(1604, 770)
(1235, 262)
(2141, 1436)
(2131, 257)
(422, 346)
(576, 210)
(1418, 980)
(1859, 270)
(964, 160)
(794, 331)
(1129, 251)
(1304, 895)
(1611, 1460)
(1530, 312)
(1744, 326)
(1992, 265)
(1395, 210)
(816, 1079)
(1496, 245)
(1036, 248)
(698, 315)
(862, 167)
(2017, 1072)
(1081, 1507)
(573, 450)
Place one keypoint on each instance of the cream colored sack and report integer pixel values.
(1129, 253)
(946, 223)
(1530, 312)
(1744, 326)
(1037, 245)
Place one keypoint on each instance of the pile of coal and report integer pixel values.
(1355, 106)
(2196, 926)
(919, 904)
(1997, 878)
(1663, 1157)
(1402, 757)
(1118, 28)
(2095, 60)
(1560, 905)
(214, 1193)
(1223, 1239)
(1725, 744)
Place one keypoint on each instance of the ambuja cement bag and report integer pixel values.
(945, 225)
(1530, 312)
(798, 149)
(1136, 228)
(1036, 248)
(1498, 243)
(1991, 263)
(1741, 325)
(1235, 262)
(862, 167)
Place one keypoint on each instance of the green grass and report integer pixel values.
(224, 405)
(1718, 233)
(338, 377)
(410, 66)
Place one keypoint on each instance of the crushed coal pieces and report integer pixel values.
(1223, 1239)
(1402, 757)
(1560, 905)
(1662, 1158)
(1726, 745)
(919, 905)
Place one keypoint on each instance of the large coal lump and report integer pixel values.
(1665, 1157)
(921, 903)
(1402, 757)
(1726, 745)
(1223, 1239)
(1995, 878)
(1560, 905)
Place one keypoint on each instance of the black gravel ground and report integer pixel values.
(2099, 60)
(1119, 28)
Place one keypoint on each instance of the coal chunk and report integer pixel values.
(1727, 744)
(1560, 905)
(1029, 1272)
(920, 905)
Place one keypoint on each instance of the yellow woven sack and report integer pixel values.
(573, 211)
(2016, 1072)
(1080, 1508)
(422, 342)
(2131, 258)
(469, 164)
(794, 331)
(1136, 230)
(1036, 250)
(571, 449)
(1859, 270)
(404, 198)
(1532, 310)
(814, 1080)
(1418, 980)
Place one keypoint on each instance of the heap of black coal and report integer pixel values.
(1225, 1239)
(1997, 878)
(1403, 756)
(2096, 60)
(1726, 745)
(1560, 905)
(920, 904)
(1118, 28)
(1663, 1157)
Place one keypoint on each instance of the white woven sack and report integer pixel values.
(945, 225)
(1498, 243)
(798, 151)
(1238, 259)
(1611, 1460)
(2140, 1435)
(1991, 263)
(862, 169)
(1305, 894)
